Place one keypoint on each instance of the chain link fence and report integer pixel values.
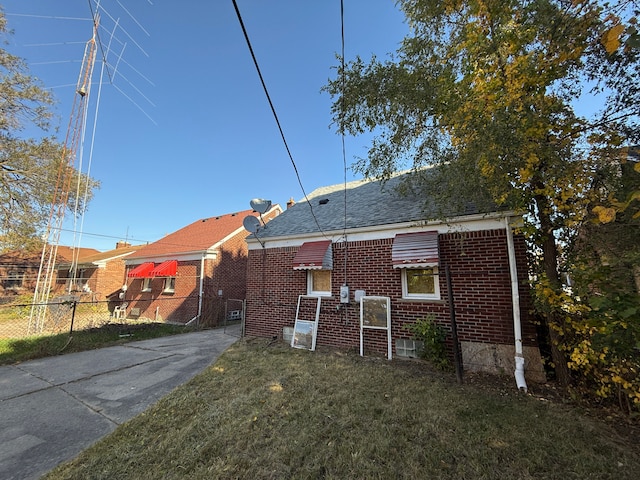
(20, 318)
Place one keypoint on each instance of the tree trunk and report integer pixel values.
(550, 263)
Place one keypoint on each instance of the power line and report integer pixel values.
(273, 110)
(344, 155)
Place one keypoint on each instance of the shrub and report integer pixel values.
(433, 336)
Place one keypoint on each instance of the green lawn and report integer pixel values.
(14, 350)
(266, 411)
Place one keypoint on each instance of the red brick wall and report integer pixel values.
(227, 273)
(179, 306)
(104, 282)
(480, 284)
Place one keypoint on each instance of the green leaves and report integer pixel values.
(28, 167)
(524, 103)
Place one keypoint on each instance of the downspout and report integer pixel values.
(515, 295)
(201, 287)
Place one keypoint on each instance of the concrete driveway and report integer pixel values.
(53, 408)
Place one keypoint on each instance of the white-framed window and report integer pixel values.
(420, 283)
(319, 283)
(408, 348)
(146, 284)
(169, 285)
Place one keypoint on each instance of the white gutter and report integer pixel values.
(515, 295)
(469, 223)
(201, 288)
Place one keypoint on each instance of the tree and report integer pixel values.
(604, 265)
(29, 168)
(491, 92)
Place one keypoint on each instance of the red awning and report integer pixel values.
(314, 255)
(141, 271)
(165, 269)
(415, 250)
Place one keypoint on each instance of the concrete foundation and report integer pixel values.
(500, 359)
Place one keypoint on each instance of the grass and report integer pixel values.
(267, 411)
(14, 350)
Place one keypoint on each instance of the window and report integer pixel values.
(169, 285)
(420, 283)
(319, 283)
(146, 284)
(13, 279)
(408, 348)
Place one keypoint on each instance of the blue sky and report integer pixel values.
(184, 130)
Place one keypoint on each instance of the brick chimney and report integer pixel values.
(291, 203)
(122, 244)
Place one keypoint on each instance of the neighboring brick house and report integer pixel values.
(19, 270)
(384, 248)
(101, 274)
(194, 274)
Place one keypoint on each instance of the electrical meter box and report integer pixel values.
(344, 294)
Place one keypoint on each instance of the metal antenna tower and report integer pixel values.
(66, 173)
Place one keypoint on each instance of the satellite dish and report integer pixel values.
(251, 224)
(260, 205)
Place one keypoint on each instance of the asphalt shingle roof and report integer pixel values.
(196, 237)
(64, 254)
(369, 203)
(108, 255)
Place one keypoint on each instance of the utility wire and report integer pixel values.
(344, 155)
(273, 110)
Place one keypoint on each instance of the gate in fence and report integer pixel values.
(223, 312)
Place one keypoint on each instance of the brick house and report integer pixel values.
(19, 269)
(385, 250)
(101, 274)
(195, 274)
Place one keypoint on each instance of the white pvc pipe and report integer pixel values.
(515, 295)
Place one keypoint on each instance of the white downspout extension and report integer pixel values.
(515, 295)
(201, 287)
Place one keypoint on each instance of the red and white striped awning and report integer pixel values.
(314, 256)
(415, 250)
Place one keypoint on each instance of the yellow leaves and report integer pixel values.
(530, 168)
(578, 359)
(605, 214)
(487, 169)
(611, 38)
(276, 387)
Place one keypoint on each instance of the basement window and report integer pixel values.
(408, 348)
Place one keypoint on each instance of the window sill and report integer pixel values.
(437, 301)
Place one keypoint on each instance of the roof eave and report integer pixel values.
(254, 243)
